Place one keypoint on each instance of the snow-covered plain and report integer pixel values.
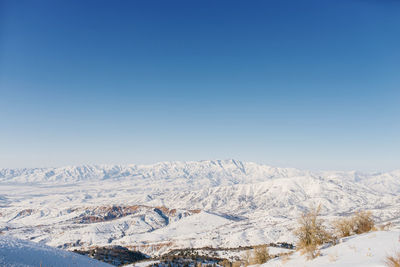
(159, 207)
(22, 253)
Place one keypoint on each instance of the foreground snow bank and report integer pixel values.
(364, 250)
(21, 253)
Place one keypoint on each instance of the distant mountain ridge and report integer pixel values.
(190, 169)
(217, 169)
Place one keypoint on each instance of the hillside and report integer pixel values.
(21, 253)
(143, 206)
(364, 250)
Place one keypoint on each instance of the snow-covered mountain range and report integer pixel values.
(154, 208)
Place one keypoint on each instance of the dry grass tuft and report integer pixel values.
(393, 261)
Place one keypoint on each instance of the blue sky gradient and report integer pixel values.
(307, 84)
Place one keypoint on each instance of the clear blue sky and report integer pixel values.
(307, 84)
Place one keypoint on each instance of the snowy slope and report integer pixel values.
(20, 253)
(365, 250)
(144, 206)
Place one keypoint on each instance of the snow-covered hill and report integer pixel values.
(21, 253)
(151, 207)
(364, 250)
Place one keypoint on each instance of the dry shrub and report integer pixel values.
(311, 251)
(393, 261)
(311, 233)
(261, 255)
(343, 227)
(363, 222)
(360, 222)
